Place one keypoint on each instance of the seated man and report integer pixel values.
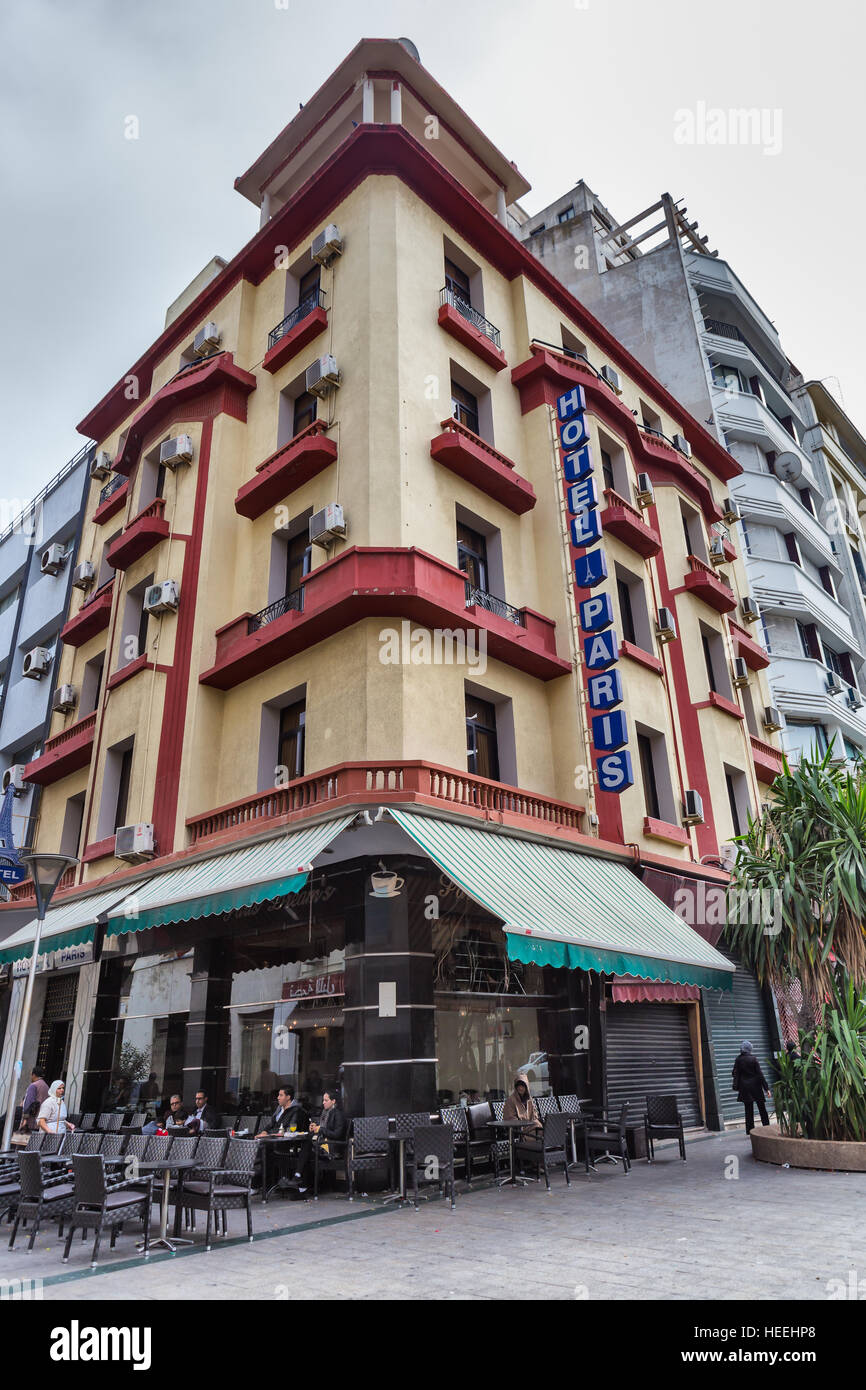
(521, 1106)
(328, 1137)
(288, 1114)
(203, 1117)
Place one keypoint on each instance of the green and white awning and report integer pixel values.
(563, 907)
(72, 924)
(222, 883)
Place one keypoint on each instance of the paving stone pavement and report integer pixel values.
(669, 1230)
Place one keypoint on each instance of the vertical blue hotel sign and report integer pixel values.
(600, 642)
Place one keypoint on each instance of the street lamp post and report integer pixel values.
(47, 871)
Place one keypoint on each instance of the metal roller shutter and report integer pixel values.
(730, 1019)
(649, 1052)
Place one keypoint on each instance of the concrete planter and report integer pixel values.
(771, 1146)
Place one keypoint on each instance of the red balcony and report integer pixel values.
(378, 783)
(471, 329)
(299, 327)
(64, 753)
(296, 463)
(624, 521)
(112, 497)
(92, 617)
(707, 584)
(144, 532)
(663, 830)
(476, 461)
(380, 582)
(768, 760)
(745, 646)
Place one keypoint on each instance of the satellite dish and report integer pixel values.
(410, 49)
(788, 467)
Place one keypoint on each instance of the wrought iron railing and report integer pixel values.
(197, 362)
(306, 306)
(730, 330)
(466, 311)
(293, 602)
(481, 599)
(111, 486)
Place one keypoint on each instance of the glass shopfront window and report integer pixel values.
(150, 1039)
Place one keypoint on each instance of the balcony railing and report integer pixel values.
(730, 330)
(481, 599)
(292, 602)
(472, 316)
(83, 726)
(111, 486)
(306, 306)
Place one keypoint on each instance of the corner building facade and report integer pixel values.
(380, 854)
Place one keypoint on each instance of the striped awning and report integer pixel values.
(71, 924)
(224, 882)
(563, 907)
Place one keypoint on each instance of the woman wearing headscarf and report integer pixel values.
(52, 1112)
(750, 1085)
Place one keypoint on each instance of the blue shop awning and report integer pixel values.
(563, 907)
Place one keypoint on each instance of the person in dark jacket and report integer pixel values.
(203, 1115)
(289, 1113)
(328, 1136)
(750, 1085)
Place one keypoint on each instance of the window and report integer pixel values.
(152, 483)
(308, 290)
(648, 774)
(770, 460)
(807, 500)
(304, 413)
(650, 420)
(290, 746)
(299, 553)
(70, 836)
(693, 532)
(716, 662)
(826, 577)
(566, 214)
(766, 635)
(571, 345)
(91, 684)
(8, 599)
(859, 569)
(133, 640)
(708, 659)
(793, 548)
(634, 617)
(626, 617)
(801, 737)
(457, 281)
(607, 469)
(464, 407)
(106, 571)
(738, 800)
(114, 806)
(726, 378)
(747, 543)
(482, 749)
(472, 556)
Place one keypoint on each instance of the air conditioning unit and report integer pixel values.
(134, 843)
(101, 465)
(327, 245)
(774, 719)
(175, 451)
(855, 699)
(322, 376)
(728, 854)
(731, 510)
(717, 551)
(14, 777)
(739, 671)
(666, 625)
(206, 340)
(749, 610)
(834, 684)
(65, 699)
(680, 443)
(53, 559)
(645, 492)
(162, 598)
(693, 807)
(327, 525)
(36, 663)
(611, 376)
(83, 575)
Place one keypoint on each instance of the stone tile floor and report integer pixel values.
(719, 1226)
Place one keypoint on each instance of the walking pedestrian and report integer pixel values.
(750, 1085)
(35, 1094)
(52, 1112)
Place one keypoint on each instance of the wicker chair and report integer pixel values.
(604, 1134)
(432, 1145)
(454, 1116)
(482, 1142)
(40, 1196)
(551, 1150)
(227, 1188)
(546, 1105)
(369, 1148)
(110, 1124)
(663, 1121)
(99, 1203)
(209, 1155)
(88, 1121)
(85, 1142)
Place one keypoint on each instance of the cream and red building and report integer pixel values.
(410, 698)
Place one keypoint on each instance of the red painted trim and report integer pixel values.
(768, 760)
(620, 520)
(472, 459)
(170, 756)
(719, 702)
(386, 582)
(111, 505)
(708, 587)
(141, 535)
(471, 337)
(91, 618)
(301, 459)
(125, 673)
(100, 849)
(291, 343)
(373, 150)
(688, 869)
(67, 752)
(664, 830)
(748, 648)
(635, 653)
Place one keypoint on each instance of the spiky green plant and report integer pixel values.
(822, 1093)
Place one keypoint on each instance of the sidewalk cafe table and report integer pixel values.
(166, 1166)
(513, 1129)
(269, 1144)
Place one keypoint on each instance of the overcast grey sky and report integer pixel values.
(100, 233)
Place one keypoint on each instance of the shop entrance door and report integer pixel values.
(56, 1033)
(649, 1052)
